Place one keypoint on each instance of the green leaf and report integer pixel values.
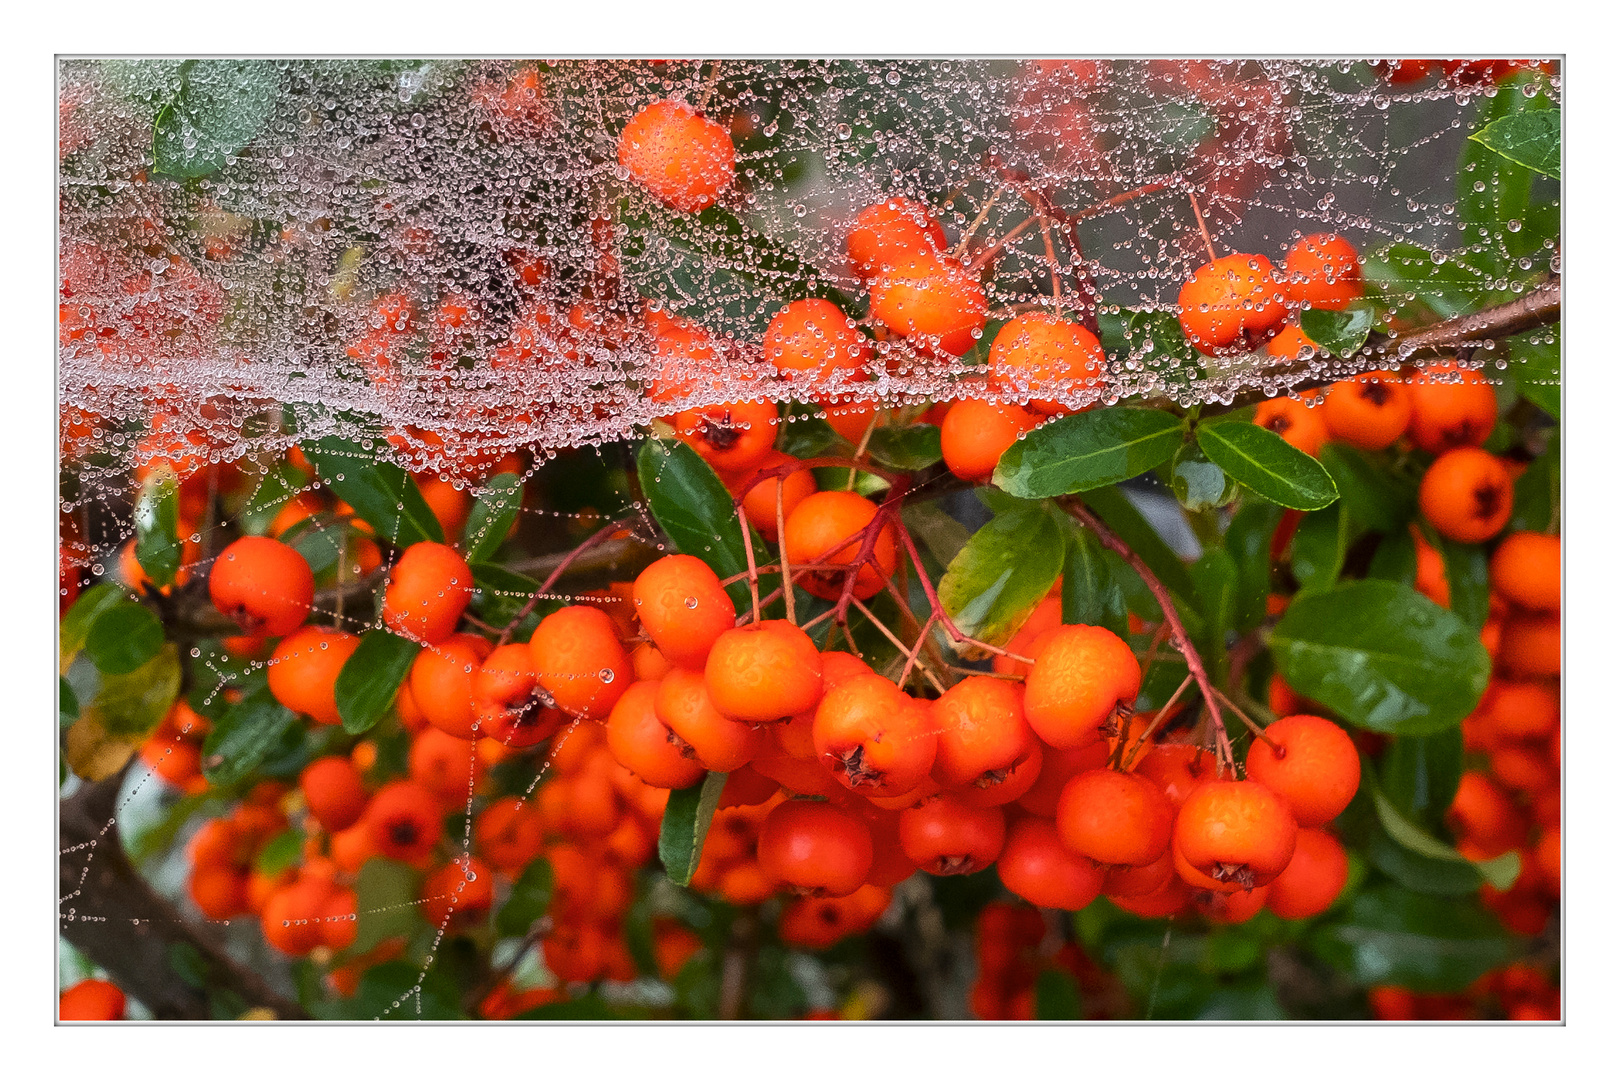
(386, 895)
(1121, 515)
(530, 899)
(400, 990)
(1057, 996)
(1338, 333)
(1319, 547)
(1091, 595)
(1447, 286)
(285, 850)
(1429, 944)
(695, 510)
(1002, 573)
(1531, 139)
(1419, 774)
(1493, 191)
(157, 540)
(1396, 559)
(1437, 866)
(383, 495)
(1375, 496)
(1089, 450)
(245, 736)
(1468, 575)
(686, 823)
(67, 702)
(81, 617)
(500, 593)
(222, 105)
(1382, 657)
(1419, 873)
(494, 508)
(133, 703)
(1536, 493)
(942, 536)
(124, 638)
(1215, 576)
(908, 448)
(1198, 483)
(275, 488)
(1248, 539)
(371, 677)
(1263, 462)
(1535, 361)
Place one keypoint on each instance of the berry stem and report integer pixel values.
(938, 609)
(604, 533)
(1203, 230)
(753, 571)
(1158, 718)
(1258, 731)
(916, 649)
(990, 252)
(967, 236)
(890, 634)
(782, 558)
(1052, 262)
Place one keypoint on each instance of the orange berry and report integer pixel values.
(335, 792)
(1467, 495)
(1078, 683)
(1522, 710)
(1140, 880)
(759, 499)
(815, 335)
(1232, 304)
(449, 504)
(1451, 407)
(1532, 645)
(684, 160)
(731, 436)
(1290, 344)
(827, 528)
(1176, 768)
(874, 738)
(92, 999)
(931, 300)
(580, 661)
(683, 608)
(304, 668)
(1058, 767)
(944, 836)
(815, 848)
(405, 821)
(1324, 271)
(263, 585)
(888, 230)
(975, 433)
(428, 589)
(511, 707)
(1525, 569)
(462, 890)
(641, 744)
(1313, 879)
(1237, 832)
(1301, 426)
(1315, 769)
(1036, 866)
(1115, 818)
(982, 732)
(220, 892)
(445, 765)
(1037, 353)
(699, 730)
(1370, 411)
(441, 682)
(763, 672)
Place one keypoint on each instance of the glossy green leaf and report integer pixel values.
(1263, 462)
(686, 824)
(1500, 873)
(1419, 873)
(371, 677)
(940, 534)
(1121, 515)
(245, 736)
(1199, 483)
(1091, 594)
(1537, 493)
(133, 703)
(273, 491)
(1536, 364)
(908, 448)
(222, 104)
(157, 539)
(1089, 450)
(1215, 578)
(1248, 540)
(1532, 139)
(499, 594)
(694, 508)
(81, 617)
(123, 638)
(67, 707)
(1395, 559)
(1447, 286)
(1338, 333)
(401, 990)
(1382, 657)
(1494, 190)
(1419, 774)
(1318, 549)
(530, 899)
(1374, 495)
(494, 508)
(383, 495)
(1388, 935)
(1469, 579)
(1002, 572)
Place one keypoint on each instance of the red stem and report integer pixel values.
(595, 538)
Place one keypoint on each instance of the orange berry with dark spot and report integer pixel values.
(1080, 680)
(263, 585)
(1176, 768)
(445, 765)
(406, 821)
(763, 672)
(580, 661)
(683, 608)
(982, 732)
(1324, 271)
(1451, 407)
(828, 528)
(220, 892)
(731, 436)
(975, 433)
(1301, 426)
(441, 683)
(334, 791)
(641, 744)
(1370, 411)
(511, 707)
(1467, 495)
(1237, 832)
(1233, 304)
(303, 671)
(699, 730)
(428, 589)
(944, 836)
(1315, 767)
(874, 738)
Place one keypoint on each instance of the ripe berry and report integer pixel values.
(1079, 681)
(1531, 645)
(975, 433)
(405, 821)
(931, 300)
(1370, 411)
(1451, 407)
(888, 230)
(509, 703)
(1115, 818)
(335, 792)
(759, 499)
(684, 160)
(427, 591)
(764, 672)
(220, 892)
(1232, 304)
(263, 585)
(1035, 865)
(1301, 426)
(580, 662)
(944, 836)
(303, 671)
(641, 744)
(982, 732)
(1322, 270)
(683, 608)
(1038, 353)
(508, 833)
(445, 765)
(699, 730)
(442, 683)
(1176, 768)
(1237, 832)
(826, 528)
(92, 999)
(873, 737)
(1058, 767)
(462, 890)
(1313, 879)
(731, 437)
(816, 336)
(1467, 495)
(815, 848)
(1525, 569)
(1141, 880)
(1315, 769)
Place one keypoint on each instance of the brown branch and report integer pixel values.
(111, 915)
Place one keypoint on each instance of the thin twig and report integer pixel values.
(1198, 216)
(595, 538)
(890, 634)
(753, 571)
(1258, 731)
(1158, 718)
(782, 557)
(961, 246)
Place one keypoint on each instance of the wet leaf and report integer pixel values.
(908, 448)
(1262, 461)
(1002, 572)
(383, 495)
(1532, 139)
(371, 678)
(1091, 593)
(135, 702)
(124, 637)
(1089, 450)
(245, 736)
(220, 107)
(530, 899)
(89, 607)
(1319, 547)
(495, 507)
(1390, 936)
(157, 540)
(1338, 333)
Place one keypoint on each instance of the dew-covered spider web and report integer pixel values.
(442, 262)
